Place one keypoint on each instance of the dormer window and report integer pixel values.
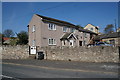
(51, 26)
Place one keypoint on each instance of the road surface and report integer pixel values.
(57, 69)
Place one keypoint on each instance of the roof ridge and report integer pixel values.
(55, 19)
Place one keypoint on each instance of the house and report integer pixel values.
(10, 41)
(92, 28)
(46, 31)
(118, 30)
(112, 38)
(6, 40)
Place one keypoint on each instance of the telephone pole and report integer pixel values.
(115, 26)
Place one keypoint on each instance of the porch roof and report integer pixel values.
(67, 35)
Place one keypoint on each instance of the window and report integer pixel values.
(91, 29)
(33, 29)
(51, 41)
(51, 27)
(64, 29)
(33, 42)
(72, 29)
(85, 35)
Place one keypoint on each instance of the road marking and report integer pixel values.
(4, 76)
(12, 78)
(78, 70)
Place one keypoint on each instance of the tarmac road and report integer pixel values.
(57, 69)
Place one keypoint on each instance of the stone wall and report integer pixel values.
(83, 54)
(15, 52)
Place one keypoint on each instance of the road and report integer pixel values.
(57, 69)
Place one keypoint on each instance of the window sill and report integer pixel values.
(52, 30)
(52, 44)
(65, 31)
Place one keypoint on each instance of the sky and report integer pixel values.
(17, 15)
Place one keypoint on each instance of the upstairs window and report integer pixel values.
(64, 29)
(72, 30)
(51, 41)
(33, 29)
(91, 29)
(51, 26)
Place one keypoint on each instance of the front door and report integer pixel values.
(80, 43)
(33, 50)
(71, 42)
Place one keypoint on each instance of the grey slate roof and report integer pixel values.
(105, 36)
(65, 36)
(55, 21)
(64, 23)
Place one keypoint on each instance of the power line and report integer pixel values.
(43, 9)
(53, 7)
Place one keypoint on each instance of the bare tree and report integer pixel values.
(109, 28)
(8, 33)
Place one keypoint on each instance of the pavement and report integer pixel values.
(59, 69)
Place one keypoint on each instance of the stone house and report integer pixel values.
(46, 31)
(92, 28)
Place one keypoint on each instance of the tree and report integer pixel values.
(109, 28)
(13, 41)
(22, 38)
(8, 33)
(1, 38)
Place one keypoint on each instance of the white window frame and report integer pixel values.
(64, 29)
(52, 43)
(33, 28)
(51, 26)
